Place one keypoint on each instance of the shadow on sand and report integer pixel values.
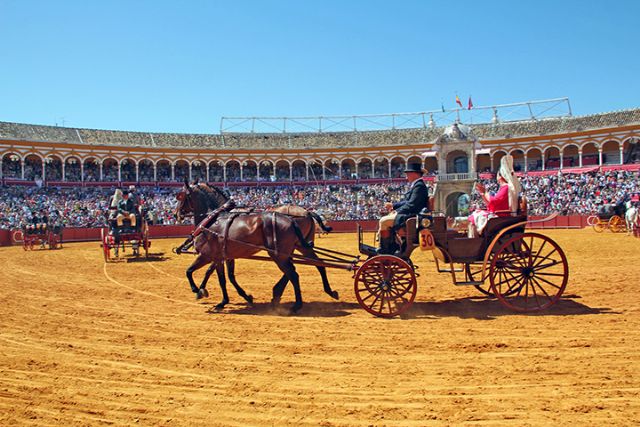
(159, 256)
(309, 309)
(479, 308)
(482, 308)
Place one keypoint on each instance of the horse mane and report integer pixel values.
(213, 194)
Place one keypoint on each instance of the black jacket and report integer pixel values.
(126, 206)
(414, 201)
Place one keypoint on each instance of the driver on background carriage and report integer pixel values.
(503, 203)
(415, 199)
(126, 210)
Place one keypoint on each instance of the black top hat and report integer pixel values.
(414, 167)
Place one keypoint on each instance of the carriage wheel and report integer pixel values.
(615, 224)
(599, 226)
(145, 242)
(53, 241)
(385, 286)
(592, 220)
(106, 250)
(529, 272)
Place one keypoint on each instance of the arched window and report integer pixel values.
(283, 170)
(163, 170)
(91, 167)
(11, 166)
(181, 170)
(216, 171)
(145, 170)
(32, 167)
(128, 170)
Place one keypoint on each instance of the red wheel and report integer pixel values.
(385, 286)
(145, 242)
(52, 241)
(106, 250)
(592, 220)
(529, 272)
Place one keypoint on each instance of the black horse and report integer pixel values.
(199, 199)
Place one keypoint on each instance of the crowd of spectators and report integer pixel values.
(87, 206)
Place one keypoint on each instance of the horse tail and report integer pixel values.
(318, 218)
(303, 242)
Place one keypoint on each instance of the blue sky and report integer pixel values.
(178, 66)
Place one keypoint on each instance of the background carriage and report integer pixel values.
(115, 239)
(609, 217)
(51, 237)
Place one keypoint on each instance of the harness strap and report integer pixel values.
(275, 235)
(225, 235)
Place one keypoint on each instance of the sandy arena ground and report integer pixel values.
(84, 343)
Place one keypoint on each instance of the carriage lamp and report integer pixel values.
(425, 223)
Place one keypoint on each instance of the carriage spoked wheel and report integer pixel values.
(529, 272)
(474, 272)
(106, 250)
(592, 220)
(615, 224)
(145, 241)
(385, 286)
(599, 226)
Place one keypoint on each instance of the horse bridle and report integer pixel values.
(184, 197)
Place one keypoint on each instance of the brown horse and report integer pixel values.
(242, 235)
(199, 199)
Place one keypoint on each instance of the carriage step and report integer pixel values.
(368, 250)
(472, 283)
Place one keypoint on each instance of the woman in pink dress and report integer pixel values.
(503, 203)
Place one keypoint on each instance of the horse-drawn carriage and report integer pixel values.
(526, 271)
(118, 238)
(609, 217)
(51, 236)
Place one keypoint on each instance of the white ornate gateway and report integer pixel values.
(455, 151)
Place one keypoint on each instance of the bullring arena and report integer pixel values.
(89, 342)
(84, 342)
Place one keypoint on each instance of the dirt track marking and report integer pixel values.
(112, 280)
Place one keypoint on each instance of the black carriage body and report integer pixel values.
(457, 247)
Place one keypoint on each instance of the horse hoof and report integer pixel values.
(220, 306)
(274, 302)
(205, 292)
(295, 308)
(198, 295)
(335, 295)
(250, 299)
